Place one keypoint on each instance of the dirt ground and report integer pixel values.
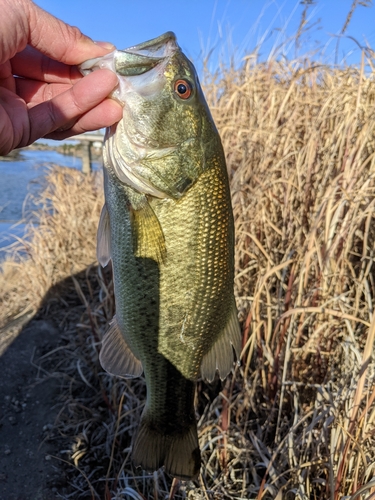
(27, 411)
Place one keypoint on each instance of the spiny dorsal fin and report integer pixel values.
(148, 237)
(103, 244)
(116, 357)
(220, 356)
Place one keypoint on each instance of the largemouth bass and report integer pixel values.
(167, 225)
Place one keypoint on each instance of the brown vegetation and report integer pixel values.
(297, 418)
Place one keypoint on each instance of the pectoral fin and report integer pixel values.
(103, 246)
(116, 357)
(148, 237)
(220, 357)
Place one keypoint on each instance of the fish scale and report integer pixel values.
(167, 226)
(199, 260)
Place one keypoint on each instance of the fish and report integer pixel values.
(167, 226)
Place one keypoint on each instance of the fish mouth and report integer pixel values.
(138, 59)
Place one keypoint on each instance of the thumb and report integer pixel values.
(59, 40)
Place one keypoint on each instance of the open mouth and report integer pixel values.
(136, 60)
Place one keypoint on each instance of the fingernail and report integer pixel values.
(106, 45)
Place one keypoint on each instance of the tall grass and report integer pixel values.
(297, 418)
(300, 143)
(59, 241)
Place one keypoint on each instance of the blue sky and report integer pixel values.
(226, 26)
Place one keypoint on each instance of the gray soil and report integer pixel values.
(35, 385)
(28, 398)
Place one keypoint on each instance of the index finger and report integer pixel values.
(30, 63)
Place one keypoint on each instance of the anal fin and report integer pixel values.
(116, 357)
(220, 356)
(103, 245)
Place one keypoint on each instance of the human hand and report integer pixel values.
(42, 93)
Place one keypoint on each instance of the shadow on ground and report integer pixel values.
(30, 391)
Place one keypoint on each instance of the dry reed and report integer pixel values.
(297, 419)
(300, 143)
(59, 240)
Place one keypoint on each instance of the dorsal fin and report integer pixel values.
(116, 357)
(220, 356)
(103, 241)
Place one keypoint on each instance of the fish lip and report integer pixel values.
(163, 41)
(141, 58)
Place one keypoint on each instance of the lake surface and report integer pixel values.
(16, 181)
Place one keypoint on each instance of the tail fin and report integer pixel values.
(178, 450)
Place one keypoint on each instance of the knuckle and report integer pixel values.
(52, 115)
(73, 37)
(75, 33)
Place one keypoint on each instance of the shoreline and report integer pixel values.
(64, 149)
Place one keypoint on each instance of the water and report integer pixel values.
(17, 178)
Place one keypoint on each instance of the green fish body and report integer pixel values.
(167, 225)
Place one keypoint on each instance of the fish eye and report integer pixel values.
(183, 89)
